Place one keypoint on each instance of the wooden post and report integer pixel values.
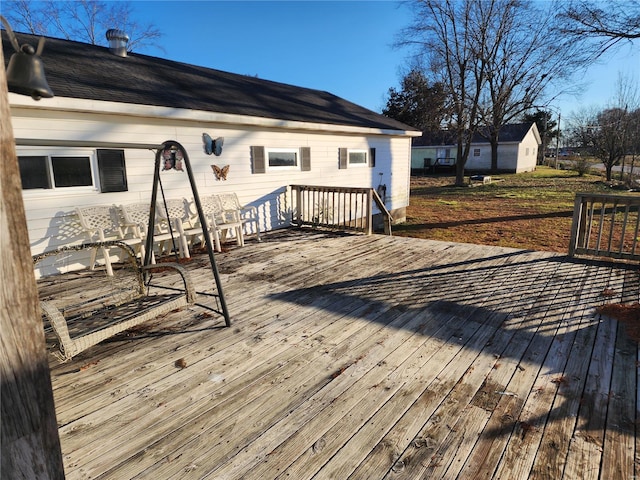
(30, 445)
(297, 190)
(369, 212)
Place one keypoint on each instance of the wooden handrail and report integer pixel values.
(388, 219)
(606, 226)
(342, 208)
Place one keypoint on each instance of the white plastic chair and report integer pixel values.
(100, 223)
(221, 221)
(184, 222)
(135, 216)
(248, 213)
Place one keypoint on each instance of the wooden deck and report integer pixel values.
(367, 357)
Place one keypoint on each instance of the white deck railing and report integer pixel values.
(342, 208)
(606, 226)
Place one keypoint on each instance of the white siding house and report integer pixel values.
(106, 106)
(517, 150)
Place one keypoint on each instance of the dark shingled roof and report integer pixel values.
(80, 70)
(514, 132)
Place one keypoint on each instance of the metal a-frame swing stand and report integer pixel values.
(169, 152)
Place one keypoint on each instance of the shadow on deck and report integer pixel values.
(355, 356)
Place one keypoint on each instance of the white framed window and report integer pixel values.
(72, 170)
(358, 158)
(283, 158)
(476, 152)
(54, 170)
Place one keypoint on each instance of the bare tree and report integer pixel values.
(446, 33)
(610, 138)
(496, 58)
(609, 23)
(524, 61)
(81, 20)
(607, 134)
(634, 142)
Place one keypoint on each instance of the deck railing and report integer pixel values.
(606, 226)
(341, 208)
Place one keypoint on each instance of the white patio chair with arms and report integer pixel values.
(248, 213)
(135, 216)
(100, 223)
(221, 222)
(177, 212)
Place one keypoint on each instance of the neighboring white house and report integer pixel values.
(517, 150)
(78, 148)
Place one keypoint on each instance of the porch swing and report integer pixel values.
(80, 321)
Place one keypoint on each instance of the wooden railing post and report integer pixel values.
(297, 191)
(605, 226)
(384, 211)
(584, 222)
(369, 212)
(575, 225)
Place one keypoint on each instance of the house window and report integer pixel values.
(74, 170)
(280, 159)
(34, 172)
(476, 152)
(526, 151)
(53, 171)
(283, 158)
(348, 157)
(357, 157)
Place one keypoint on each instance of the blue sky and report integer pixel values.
(344, 47)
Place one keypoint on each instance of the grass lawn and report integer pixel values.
(528, 210)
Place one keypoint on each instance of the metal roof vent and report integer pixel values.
(117, 42)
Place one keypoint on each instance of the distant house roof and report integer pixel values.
(80, 70)
(514, 132)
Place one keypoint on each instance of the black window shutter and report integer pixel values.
(305, 159)
(112, 170)
(343, 158)
(257, 155)
(372, 157)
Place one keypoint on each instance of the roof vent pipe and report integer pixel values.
(117, 42)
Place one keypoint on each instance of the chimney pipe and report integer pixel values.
(117, 42)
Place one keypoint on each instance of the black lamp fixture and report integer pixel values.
(25, 72)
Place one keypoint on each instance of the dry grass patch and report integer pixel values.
(532, 211)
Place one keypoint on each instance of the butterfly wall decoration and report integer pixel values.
(172, 159)
(212, 146)
(220, 172)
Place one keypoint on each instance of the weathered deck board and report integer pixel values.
(521, 453)
(373, 314)
(506, 387)
(364, 357)
(475, 388)
(326, 447)
(618, 453)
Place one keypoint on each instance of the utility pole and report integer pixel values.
(558, 141)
